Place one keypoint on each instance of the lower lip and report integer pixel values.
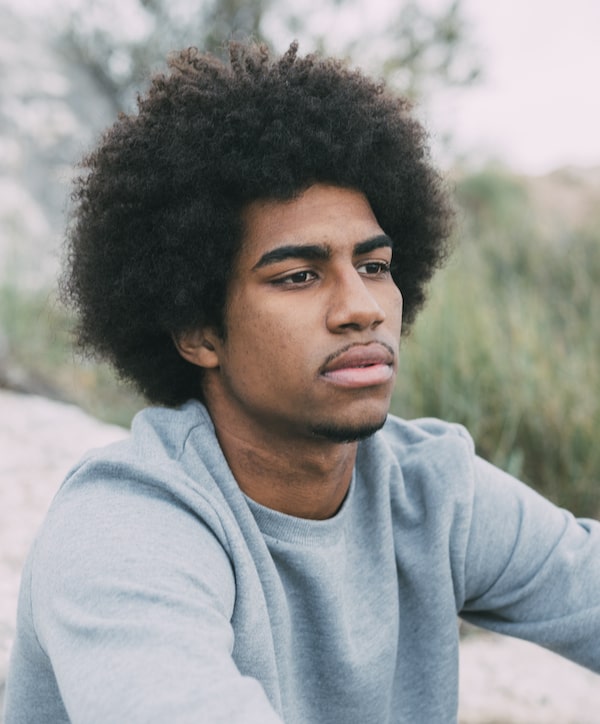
(360, 376)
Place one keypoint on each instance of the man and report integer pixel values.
(269, 545)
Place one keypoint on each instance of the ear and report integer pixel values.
(199, 346)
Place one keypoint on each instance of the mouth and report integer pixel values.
(360, 366)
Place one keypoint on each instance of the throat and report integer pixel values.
(309, 480)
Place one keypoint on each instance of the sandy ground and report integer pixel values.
(503, 681)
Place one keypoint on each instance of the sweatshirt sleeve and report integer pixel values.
(132, 596)
(532, 570)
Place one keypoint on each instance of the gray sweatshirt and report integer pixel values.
(157, 592)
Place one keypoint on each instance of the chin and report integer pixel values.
(341, 433)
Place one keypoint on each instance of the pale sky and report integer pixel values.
(538, 106)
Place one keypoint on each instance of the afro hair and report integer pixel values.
(156, 221)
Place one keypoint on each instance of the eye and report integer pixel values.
(297, 278)
(374, 268)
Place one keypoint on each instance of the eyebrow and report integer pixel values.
(312, 252)
(377, 242)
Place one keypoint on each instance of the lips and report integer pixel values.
(360, 366)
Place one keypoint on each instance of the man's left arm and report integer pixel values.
(532, 570)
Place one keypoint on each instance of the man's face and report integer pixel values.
(313, 321)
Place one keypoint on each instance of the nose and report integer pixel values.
(353, 305)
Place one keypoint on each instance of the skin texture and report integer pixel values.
(311, 300)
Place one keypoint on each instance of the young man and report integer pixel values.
(269, 545)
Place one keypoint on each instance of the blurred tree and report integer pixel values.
(415, 48)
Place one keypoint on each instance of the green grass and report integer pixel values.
(510, 347)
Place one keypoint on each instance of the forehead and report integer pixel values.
(322, 214)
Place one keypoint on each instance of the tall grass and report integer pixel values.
(510, 345)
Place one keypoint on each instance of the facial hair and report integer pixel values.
(340, 434)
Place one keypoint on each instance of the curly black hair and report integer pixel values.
(156, 221)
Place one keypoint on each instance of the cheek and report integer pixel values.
(392, 304)
(261, 340)
(267, 334)
(398, 304)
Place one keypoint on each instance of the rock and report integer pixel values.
(507, 681)
(502, 680)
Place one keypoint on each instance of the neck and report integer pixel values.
(305, 478)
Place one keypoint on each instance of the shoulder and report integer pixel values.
(427, 464)
(422, 429)
(163, 477)
(156, 455)
(133, 513)
(425, 440)
(160, 434)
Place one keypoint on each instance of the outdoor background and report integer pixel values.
(510, 341)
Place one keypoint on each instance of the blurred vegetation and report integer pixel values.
(416, 48)
(36, 355)
(509, 344)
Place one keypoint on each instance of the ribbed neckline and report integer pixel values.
(302, 531)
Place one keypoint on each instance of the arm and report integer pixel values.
(532, 570)
(132, 597)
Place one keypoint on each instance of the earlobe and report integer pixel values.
(199, 347)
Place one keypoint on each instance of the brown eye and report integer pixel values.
(372, 268)
(297, 278)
